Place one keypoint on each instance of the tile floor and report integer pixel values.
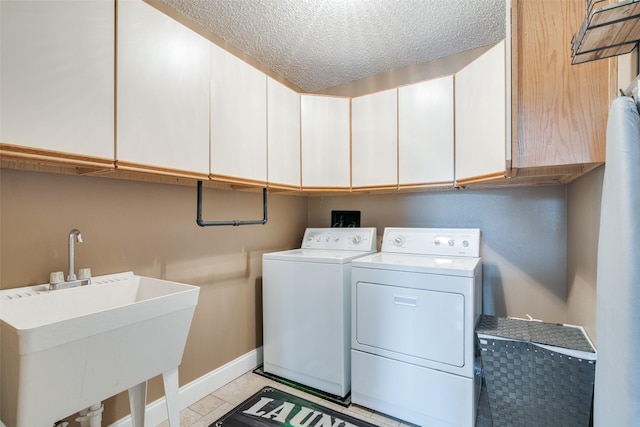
(214, 405)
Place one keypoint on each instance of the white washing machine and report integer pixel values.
(415, 307)
(306, 304)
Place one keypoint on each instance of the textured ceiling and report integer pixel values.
(318, 44)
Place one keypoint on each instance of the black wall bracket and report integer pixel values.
(234, 222)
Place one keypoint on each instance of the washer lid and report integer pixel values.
(326, 256)
(428, 264)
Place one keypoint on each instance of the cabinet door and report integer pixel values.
(163, 93)
(283, 136)
(326, 157)
(374, 143)
(425, 133)
(561, 109)
(57, 74)
(238, 120)
(480, 118)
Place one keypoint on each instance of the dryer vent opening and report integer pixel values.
(345, 218)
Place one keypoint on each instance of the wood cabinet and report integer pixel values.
(481, 118)
(283, 136)
(374, 141)
(57, 80)
(325, 133)
(185, 107)
(559, 110)
(425, 133)
(238, 120)
(163, 94)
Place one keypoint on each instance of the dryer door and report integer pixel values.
(415, 325)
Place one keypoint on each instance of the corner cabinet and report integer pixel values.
(425, 134)
(238, 120)
(162, 94)
(374, 141)
(325, 139)
(482, 139)
(57, 80)
(283, 136)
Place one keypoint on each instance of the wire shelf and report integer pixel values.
(606, 31)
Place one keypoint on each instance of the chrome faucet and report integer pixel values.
(73, 235)
(72, 281)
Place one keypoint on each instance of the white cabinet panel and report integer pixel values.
(425, 132)
(326, 156)
(480, 111)
(163, 91)
(283, 135)
(238, 118)
(374, 127)
(57, 74)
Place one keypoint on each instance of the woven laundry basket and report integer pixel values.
(536, 374)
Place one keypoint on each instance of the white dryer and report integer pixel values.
(415, 307)
(306, 304)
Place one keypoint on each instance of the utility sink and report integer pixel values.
(65, 350)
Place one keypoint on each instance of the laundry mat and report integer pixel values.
(272, 407)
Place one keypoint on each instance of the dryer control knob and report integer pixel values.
(357, 239)
(451, 242)
(398, 241)
(465, 243)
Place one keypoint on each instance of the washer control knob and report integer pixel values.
(436, 242)
(328, 238)
(451, 242)
(398, 241)
(465, 243)
(357, 239)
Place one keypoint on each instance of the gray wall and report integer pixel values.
(583, 219)
(524, 238)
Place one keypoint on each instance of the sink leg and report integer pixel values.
(170, 379)
(137, 402)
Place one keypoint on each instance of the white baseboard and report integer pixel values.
(156, 412)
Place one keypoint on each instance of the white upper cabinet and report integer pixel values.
(481, 118)
(163, 93)
(283, 135)
(238, 119)
(425, 133)
(57, 77)
(325, 130)
(374, 127)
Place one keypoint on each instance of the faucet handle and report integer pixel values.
(56, 277)
(84, 274)
(56, 280)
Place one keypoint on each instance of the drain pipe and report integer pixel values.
(92, 416)
(234, 222)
